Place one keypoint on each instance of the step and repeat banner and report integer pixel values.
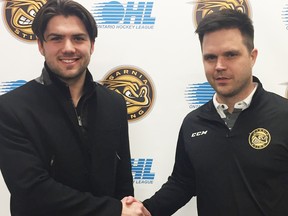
(150, 47)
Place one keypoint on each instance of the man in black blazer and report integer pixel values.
(64, 147)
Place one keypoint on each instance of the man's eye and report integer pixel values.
(209, 58)
(55, 38)
(78, 38)
(232, 54)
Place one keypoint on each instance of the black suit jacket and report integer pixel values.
(51, 165)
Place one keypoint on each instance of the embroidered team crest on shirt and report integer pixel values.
(259, 138)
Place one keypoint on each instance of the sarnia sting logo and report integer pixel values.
(136, 88)
(19, 15)
(259, 138)
(205, 7)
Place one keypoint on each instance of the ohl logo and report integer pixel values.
(136, 88)
(285, 15)
(198, 94)
(141, 170)
(130, 15)
(19, 15)
(205, 7)
(10, 85)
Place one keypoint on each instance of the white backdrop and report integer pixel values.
(169, 54)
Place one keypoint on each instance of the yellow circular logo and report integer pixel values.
(135, 86)
(259, 138)
(19, 15)
(205, 7)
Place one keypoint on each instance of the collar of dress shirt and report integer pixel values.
(244, 104)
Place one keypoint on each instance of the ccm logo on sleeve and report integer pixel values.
(199, 133)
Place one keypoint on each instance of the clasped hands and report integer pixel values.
(133, 207)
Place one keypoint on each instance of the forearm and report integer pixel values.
(66, 201)
(172, 196)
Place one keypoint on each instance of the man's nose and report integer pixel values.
(68, 46)
(220, 64)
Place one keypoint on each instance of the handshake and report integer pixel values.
(133, 207)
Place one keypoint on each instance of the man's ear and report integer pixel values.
(40, 47)
(92, 47)
(254, 54)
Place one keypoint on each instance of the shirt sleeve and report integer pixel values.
(179, 188)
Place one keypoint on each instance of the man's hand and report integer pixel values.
(133, 207)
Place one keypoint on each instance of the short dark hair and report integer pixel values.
(227, 19)
(66, 8)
